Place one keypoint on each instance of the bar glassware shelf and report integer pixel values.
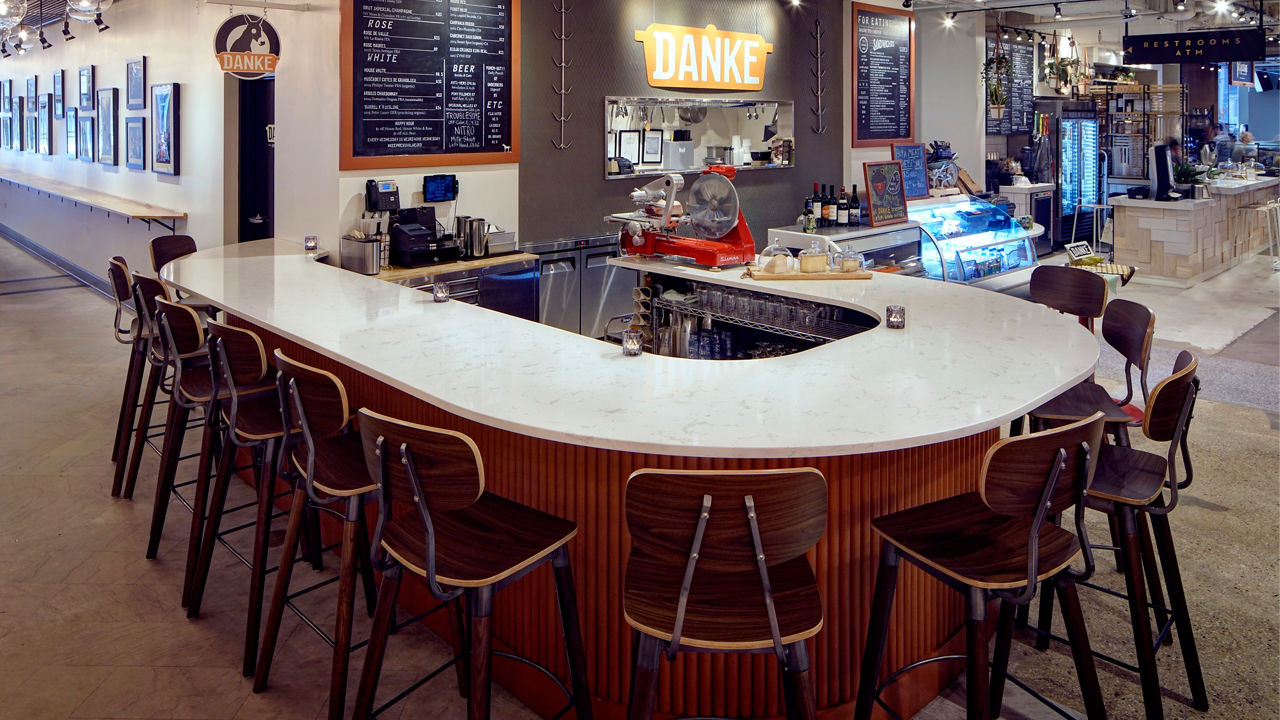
(822, 331)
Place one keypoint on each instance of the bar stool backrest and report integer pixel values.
(417, 466)
(239, 358)
(1129, 327)
(121, 293)
(312, 399)
(145, 291)
(1166, 420)
(1069, 290)
(183, 333)
(170, 247)
(663, 509)
(1014, 472)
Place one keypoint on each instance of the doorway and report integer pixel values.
(257, 195)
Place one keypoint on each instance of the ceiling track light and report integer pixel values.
(4, 49)
(1005, 34)
(1057, 11)
(1181, 5)
(906, 4)
(102, 26)
(949, 20)
(66, 29)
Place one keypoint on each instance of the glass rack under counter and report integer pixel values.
(955, 238)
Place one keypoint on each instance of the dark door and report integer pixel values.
(257, 159)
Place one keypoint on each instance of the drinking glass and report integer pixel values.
(440, 292)
(632, 342)
(895, 316)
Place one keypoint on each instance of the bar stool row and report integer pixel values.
(717, 561)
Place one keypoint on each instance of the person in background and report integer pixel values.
(1222, 144)
(1245, 148)
(1175, 150)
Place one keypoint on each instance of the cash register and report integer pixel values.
(414, 241)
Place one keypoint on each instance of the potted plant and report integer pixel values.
(1062, 72)
(997, 75)
(1185, 175)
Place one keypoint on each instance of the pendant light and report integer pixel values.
(12, 12)
(22, 37)
(88, 11)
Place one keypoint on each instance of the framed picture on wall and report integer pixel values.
(135, 88)
(135, 143)
(1242, 74)
(31, 91)
(15, 123)
(84, 138)
(87, 76)
(108, 116)
(29, 133)
(44, 124)
(165, 147)
(59, 99)
(72, 146)
(629, 145)
(6, 134)
(6, 96)
(652, 151)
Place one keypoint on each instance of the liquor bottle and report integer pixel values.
(855, 209)
(842, 208)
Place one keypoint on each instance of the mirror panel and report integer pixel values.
(653, 136)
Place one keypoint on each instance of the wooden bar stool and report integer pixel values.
(995, 544)
(253, 421)
(167, 248)
(436, 521)
(718, 564)
(145, 291)
(134, 336)
(1070, 290)
(1129, 484)
(325, 463)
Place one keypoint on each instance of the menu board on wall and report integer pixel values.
(1020, 108)
(430, 82)
(883, 65)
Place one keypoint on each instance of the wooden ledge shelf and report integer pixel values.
(132, 209)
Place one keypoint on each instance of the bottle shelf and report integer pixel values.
(822, 331)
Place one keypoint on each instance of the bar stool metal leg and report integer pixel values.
(878, 632)
(1151, 571)
(1138, 613)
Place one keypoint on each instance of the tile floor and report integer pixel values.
(91, 629)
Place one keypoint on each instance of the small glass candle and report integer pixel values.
(311, 243)
(440, 292)
(895, 316)
(632, 342)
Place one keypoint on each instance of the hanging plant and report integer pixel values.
(997, 76)
(1061, 71)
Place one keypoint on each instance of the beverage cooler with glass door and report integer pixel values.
(1079, 175)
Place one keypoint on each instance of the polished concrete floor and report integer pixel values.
(91, 629)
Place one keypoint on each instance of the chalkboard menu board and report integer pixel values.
(1020, 108)
(915, 169)
(883, 61)
(429, 82)
(886, 202)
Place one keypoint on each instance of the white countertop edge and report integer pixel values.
(603, 412)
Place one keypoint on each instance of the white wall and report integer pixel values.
(949, 100)
(312, 196)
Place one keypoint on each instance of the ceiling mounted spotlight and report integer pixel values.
(66, 29)
(1129, 13)
(1235, 13)
(44, 44)
(102, 26)
(4, 49)
(906, 3)
(1057, 11)
(1005, 34)
(949, 20)
(1181, 5)
(795, 3)
(1019, 36)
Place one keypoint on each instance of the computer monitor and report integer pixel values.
(1161, 173)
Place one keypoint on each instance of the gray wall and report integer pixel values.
(563, 192)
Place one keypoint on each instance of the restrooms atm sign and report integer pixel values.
(703, 58)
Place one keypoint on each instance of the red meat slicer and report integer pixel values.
(712, 211)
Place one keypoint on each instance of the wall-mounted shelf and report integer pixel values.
(94, 199)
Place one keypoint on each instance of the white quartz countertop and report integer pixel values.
(1033, 187)
(1180, 205)
(969, 360)
(1226, 186)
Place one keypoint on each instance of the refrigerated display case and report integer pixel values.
(957, 238)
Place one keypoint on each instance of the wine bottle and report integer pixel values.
(855, 209)
(842, 208)
(814, 202)
(829, 207)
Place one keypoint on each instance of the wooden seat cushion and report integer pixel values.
(726, 610)
(1129, 476)
(479, 545)
(1081, 401)
(962, 538)
(258, 416)
(339, 467)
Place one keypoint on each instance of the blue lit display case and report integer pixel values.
(969, 240)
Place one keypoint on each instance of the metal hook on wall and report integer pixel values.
(819, 88)
(563, 62)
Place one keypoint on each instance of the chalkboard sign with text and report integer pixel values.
(429, 82)
(883, 68)
(886, 203)
(1020, 108)
(915, 172)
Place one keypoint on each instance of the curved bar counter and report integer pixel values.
(893, 418)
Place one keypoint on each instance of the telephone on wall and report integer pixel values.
(381, 195)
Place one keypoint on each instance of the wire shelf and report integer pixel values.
(823, 331)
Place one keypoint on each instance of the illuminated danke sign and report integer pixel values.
(706, 58)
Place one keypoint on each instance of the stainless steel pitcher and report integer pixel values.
(477, 237)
